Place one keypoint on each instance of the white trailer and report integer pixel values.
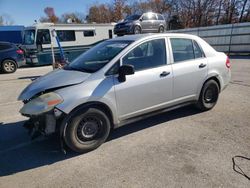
(74, 39)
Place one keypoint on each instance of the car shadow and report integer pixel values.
(32, 78)
(18, 153)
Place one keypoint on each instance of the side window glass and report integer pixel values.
(197, 50)
(160, 17)
(89, 33)
(147, 55)
(153, 17)
(149, 16)
(182, 49)
(43, 36)
(145, 17)
(66, 35)
(4, 47)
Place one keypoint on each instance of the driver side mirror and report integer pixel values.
(140, 19)
(125, 70)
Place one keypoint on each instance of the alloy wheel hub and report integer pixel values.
(9, 66)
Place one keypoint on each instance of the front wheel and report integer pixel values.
(86, 130)
(208, 96)
(137, 30)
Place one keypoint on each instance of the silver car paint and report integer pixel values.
(55, 79)
(136, 95)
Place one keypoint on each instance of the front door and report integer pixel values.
(150, 88)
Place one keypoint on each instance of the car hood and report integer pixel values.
(53, 80)
(125, 22)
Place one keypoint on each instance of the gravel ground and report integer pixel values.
(181, 148)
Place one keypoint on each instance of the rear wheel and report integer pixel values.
(161, 29)
(87, 130)
(208, 96)
(9, 66)
(137, 30)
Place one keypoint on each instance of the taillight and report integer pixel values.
(228, 65)
(19, 51)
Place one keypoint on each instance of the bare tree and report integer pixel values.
(74, 17)
(243, 10)
(118, 10)
(50, 15)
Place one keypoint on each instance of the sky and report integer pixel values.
(24, 12)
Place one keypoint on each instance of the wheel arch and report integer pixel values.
(9, 58)
(215, 78)
(137, 25)
(96, 104)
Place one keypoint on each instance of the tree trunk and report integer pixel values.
(218, 16)
(242, 10)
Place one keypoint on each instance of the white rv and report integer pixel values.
(74, 39)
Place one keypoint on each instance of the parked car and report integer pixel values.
(146, 23)
(11, 57)
(123, 80)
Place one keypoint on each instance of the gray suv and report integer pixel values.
(123, 80)
(146, 23)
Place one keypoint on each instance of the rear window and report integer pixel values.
(66, 35)
(160, 17)
(5, 46)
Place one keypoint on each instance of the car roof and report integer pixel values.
(138, 37)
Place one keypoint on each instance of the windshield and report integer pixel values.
(133, 17)
(29, 37)
(98, 56)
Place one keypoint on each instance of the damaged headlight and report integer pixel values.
(41, 104)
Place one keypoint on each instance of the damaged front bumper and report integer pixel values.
(44, 124)
(43, 114)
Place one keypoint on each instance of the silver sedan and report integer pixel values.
(123, 80)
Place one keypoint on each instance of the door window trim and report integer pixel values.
(171, 50)
(203, 54)
(147, 40)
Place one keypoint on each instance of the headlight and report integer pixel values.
(41, 104)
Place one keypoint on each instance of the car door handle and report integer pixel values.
(164, 73)
(202, 65)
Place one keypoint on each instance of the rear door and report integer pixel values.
(148, 22)
(150, 88)
(189, 68)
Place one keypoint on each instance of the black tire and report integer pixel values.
(87, 129)
(9, 66)
(209, 95)
(137, 30)
(161, 29)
